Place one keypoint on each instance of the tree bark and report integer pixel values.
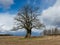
(28, 34)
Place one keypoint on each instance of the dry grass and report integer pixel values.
(13, 40)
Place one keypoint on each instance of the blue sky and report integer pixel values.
(14, 5)
(50, 12)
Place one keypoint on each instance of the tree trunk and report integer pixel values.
(28, 34)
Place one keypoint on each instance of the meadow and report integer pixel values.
(17, 40)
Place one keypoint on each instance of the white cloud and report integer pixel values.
(51, 16)
(7, 20)
(6, 3)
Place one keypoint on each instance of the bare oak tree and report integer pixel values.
(27, 19)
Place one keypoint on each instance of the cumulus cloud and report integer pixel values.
(6, 3)
(51, 16)
(6, 21)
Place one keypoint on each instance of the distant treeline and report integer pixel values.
(6, 35)
(54, 31)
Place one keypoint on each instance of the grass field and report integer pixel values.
(16, 40)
